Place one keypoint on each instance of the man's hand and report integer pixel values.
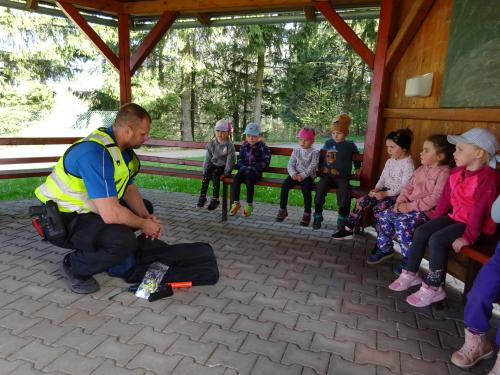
(300, 178)
(152, 228)
(295, 177)
(458, 244)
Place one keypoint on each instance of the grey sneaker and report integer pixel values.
(77, 284)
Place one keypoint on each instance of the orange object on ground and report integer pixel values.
(181, 284)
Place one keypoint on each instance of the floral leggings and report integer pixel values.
(398, 226)
(366, 202)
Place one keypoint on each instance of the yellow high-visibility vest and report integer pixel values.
(69, 191)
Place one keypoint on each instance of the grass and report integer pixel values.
(23, 188)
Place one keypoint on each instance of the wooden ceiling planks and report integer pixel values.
(194, 7)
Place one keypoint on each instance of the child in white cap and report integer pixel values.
(219, 161)
(253, 158)
(461, 215)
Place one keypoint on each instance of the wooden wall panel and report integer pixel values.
(426, 53)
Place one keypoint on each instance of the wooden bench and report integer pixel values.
(466, 265)
(276, 182)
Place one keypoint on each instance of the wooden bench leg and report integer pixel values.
(224, 201)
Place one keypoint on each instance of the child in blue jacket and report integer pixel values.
(253, 158)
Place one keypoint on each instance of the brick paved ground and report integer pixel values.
(289, 301)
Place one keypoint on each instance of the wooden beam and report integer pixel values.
(310, 13)
(156, 33)
(407, 31)
(347, 33)
(154, 7)
(124, 57)
(31, 4)
(378, 95)
(73, 14)
(204, 19)
(445, 114)
(105, 6)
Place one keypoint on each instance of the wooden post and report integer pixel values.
(378, 95)
(124, 58)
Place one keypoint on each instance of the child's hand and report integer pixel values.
(458, 244)
(379, 195)
(372, 192)
(402, 207)
(357, 173)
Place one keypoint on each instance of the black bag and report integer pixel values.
(194, 262)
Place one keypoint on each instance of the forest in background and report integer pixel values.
(285, 76)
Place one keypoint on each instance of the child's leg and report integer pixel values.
(207, 176)
(484, 292)
(285, 188)
(405, 227)
(307, 188)
(439, 246)
(386, 230)
(343, 198)
(421, 238)
(356, 215)
(216, 173)
(250, 181)
(382, 205)
(237, 180)
(324, 184)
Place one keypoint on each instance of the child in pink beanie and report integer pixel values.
(302, 168)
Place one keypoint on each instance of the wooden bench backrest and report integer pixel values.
(153, 142)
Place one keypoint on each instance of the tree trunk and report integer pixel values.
(236, 125)
(245, 96)
(346, 105)
(186, 127)
(258, 87)
(193, 86)
(161, 74)
(360, 128)
(193, 101)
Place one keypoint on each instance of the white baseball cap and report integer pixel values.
(480, 137)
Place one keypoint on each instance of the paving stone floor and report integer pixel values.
(289, 301)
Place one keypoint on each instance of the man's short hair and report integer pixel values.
(131, 114)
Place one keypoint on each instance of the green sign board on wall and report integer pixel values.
(472, 70)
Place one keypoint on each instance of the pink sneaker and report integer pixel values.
(426, 296)
(405, 281)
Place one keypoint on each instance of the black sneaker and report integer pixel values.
(77, 284)
(214, 203)
(201, 201)
(342, 234)
(379, 257)
(318, 218)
